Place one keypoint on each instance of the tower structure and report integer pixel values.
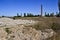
(41, 10)
(59, 6)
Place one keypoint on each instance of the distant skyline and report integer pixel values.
(12, 7)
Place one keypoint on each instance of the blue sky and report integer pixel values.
(12, 7)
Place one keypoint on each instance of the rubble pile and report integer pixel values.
(20, 32)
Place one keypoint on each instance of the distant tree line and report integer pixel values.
(32, 15)
(27, 15)
(52, 14)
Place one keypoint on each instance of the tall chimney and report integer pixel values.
(41, 9)
(59, 6)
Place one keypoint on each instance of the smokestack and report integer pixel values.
(59, 6)
(41, 10)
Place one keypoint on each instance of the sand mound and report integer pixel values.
(8, 21)
(24, 33)
(12, 31)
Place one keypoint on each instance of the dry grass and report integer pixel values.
(45, 22)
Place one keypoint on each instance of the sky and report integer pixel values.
(12, 7)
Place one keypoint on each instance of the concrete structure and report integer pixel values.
(59, 6)
(41, 10)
